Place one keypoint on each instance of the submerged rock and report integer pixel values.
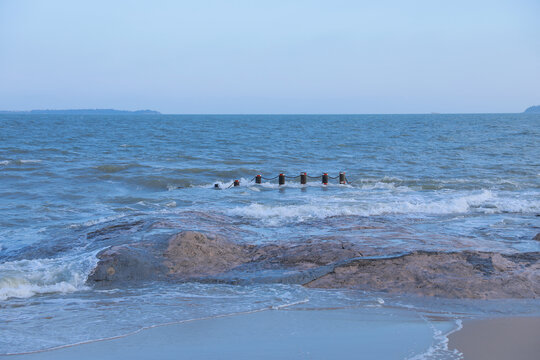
(109, 231)
(193, 256)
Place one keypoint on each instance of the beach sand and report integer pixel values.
(374, 333)
(516, 338)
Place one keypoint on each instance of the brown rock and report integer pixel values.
(456, 275)
(192, 254)
(303, 256)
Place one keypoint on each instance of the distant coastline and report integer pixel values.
(533, 110)
(85, 112)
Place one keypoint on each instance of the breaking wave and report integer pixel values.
(26, 278)
(29, 161)
(483, 202)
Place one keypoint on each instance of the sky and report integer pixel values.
(203, 56)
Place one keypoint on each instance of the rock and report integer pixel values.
(120, 264)
(109, 231)
(192, 254)
(195, 256)
(303, 256)
(467, 274)
(537, 237)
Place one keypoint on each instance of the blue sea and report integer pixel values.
(416, 182)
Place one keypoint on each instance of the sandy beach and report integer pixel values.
(514, 338)
(273, 334)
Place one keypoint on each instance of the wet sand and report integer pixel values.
(272, 334)
(516, 338)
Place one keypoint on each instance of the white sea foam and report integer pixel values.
(384, 185)
(30, 161)
(98, 221)
(439, 350)
(273, 184)
(4, 162)
(479, 202)
(26, 278)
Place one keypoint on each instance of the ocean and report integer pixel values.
(73, 185)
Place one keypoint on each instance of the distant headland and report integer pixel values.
(85, 112)
(533, 110)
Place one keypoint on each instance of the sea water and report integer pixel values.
(72, 185)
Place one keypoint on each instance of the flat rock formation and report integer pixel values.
(467, 274)
(194, 256)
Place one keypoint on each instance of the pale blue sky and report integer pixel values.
(271, 56)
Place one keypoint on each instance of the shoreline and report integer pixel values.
(287, 333)
(513, 338)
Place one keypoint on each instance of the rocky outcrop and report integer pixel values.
(467, 274)
(120, 264)
(537, 237)
(193, 256)
(303, 256)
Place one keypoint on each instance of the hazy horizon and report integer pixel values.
(306, 57)
(268, 113)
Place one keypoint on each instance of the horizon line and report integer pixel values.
(28, 112)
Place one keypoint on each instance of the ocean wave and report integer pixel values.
(4, 162)
(250, 182)
(98, 221)
(439, 349)
(385, 183)
(131, 146)
(381, 185)
(29, 161)
(114, 168)
(159, 182)
(26, 278)
(482, 202)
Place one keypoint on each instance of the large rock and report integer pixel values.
(302, 256)
(537, 237)
(120, 264)
(467, 274)
(192, 254)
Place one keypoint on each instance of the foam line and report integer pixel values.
(441, 345)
